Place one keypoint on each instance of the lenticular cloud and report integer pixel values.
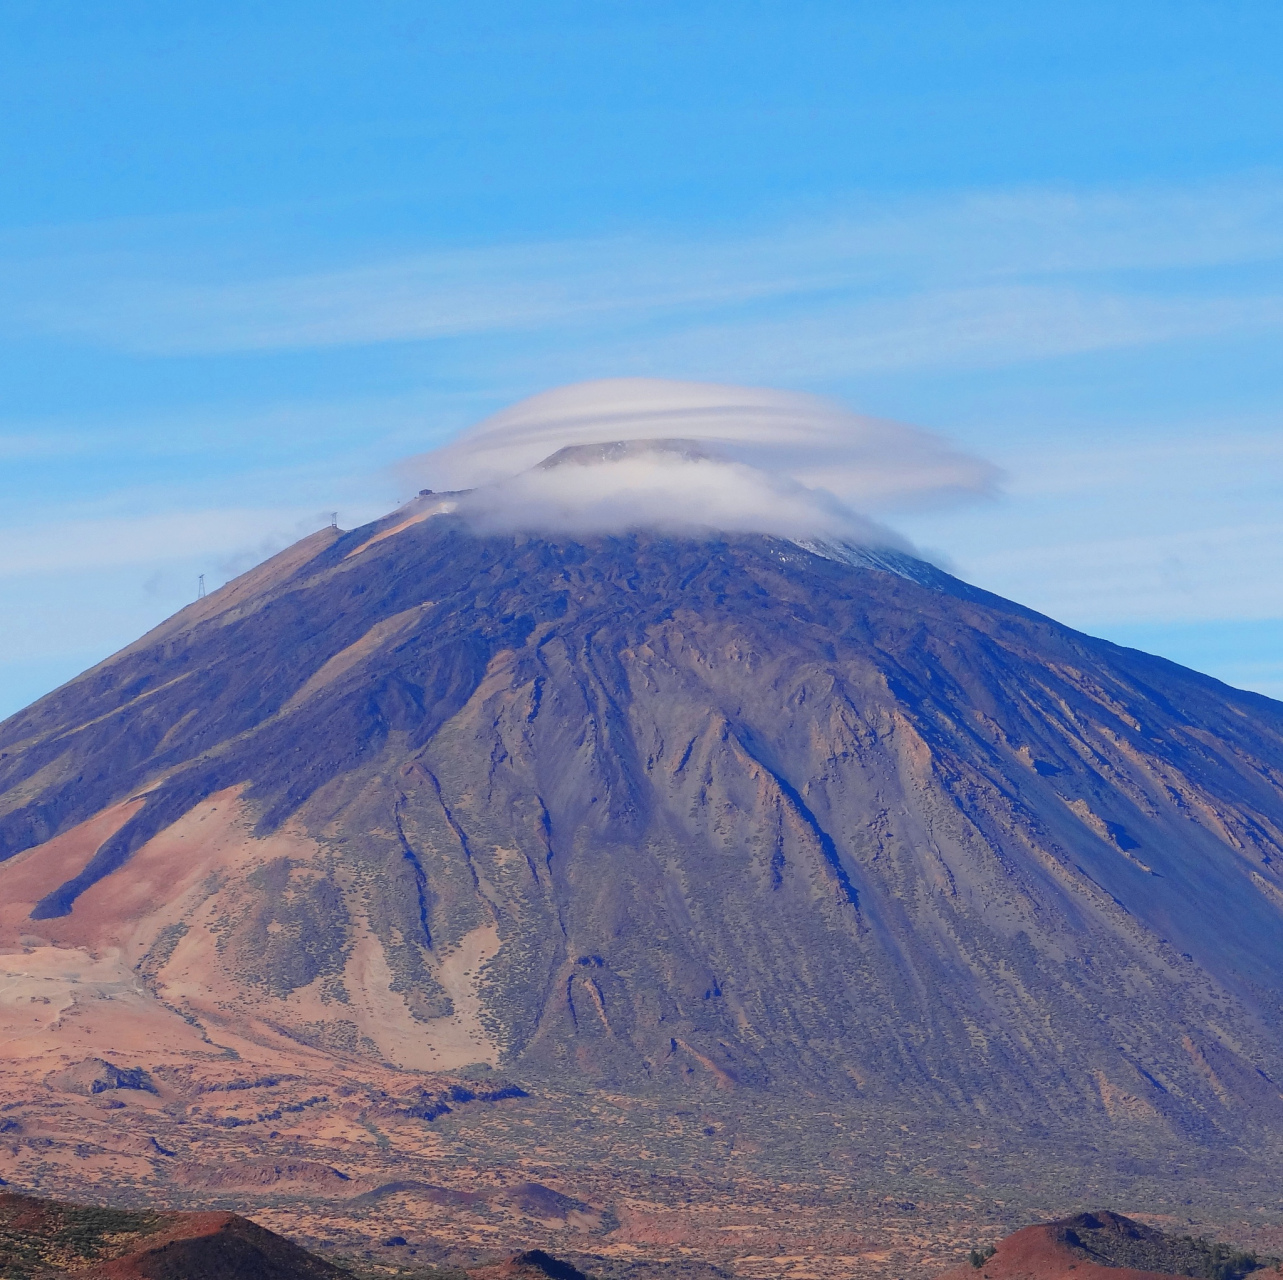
(639, 452)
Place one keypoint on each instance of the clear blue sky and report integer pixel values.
(250, 255)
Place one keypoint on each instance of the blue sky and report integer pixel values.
(252, 255)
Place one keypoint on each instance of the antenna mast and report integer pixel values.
(200, 587)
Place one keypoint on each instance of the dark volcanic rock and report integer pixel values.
(533, 1264)
(734, 813)
(1116, 1241)
(541, 1263)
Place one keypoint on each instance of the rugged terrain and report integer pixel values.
(42, 1238)
(772, 876)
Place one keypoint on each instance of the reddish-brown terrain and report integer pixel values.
(1106, 1246)
(42, 1238)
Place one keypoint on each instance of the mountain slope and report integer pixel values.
(669, 809)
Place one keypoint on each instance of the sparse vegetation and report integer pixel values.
(1215, 1261)
(389, 1271)
(51, 1235)
(978, 1257)
(40, 1239)
(1120, 1242)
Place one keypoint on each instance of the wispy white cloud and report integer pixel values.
(818, 442)
(1230, 461)
(1235, 571)
(1153, 525)
(975, 279)
(149, 540)
(980, 327)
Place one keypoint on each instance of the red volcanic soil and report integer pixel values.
(47, 1238)
(215, 1246)
(1100, 1246)
(1036, 1253)
(533, 1264)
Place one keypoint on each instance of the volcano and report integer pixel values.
(660, 811)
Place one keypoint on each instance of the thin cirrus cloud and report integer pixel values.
(1178, 527)
(965, 328)
(1231, 572)
(975, 279)
(116, 542)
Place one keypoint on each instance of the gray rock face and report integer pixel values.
(96, 1075)
(741, 813)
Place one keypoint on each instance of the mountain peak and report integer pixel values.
(605, 452)
(655, 808)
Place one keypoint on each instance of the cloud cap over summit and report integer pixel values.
(734, 458)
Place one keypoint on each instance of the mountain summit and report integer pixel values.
(668, 811)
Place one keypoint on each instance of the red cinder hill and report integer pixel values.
(1106, 1246)
(45, 1238)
